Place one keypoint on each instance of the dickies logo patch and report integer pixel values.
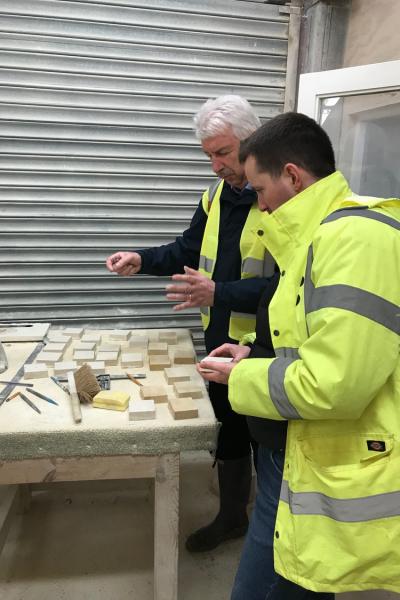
(376, 445)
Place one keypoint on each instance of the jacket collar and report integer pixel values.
(294, 223)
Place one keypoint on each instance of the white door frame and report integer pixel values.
(347, 81)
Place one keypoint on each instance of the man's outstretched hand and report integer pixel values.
(124, 263)
(195, 290)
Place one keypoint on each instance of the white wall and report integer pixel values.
(373, 32)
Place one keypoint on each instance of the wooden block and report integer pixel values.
(60, 368)
(183, 408)
(35, 371)
(80, 346)
(109, 348)
(184, 357)
(188, 389)
(109, 358)
(75, 402)
(55, 347)
(130, 359)
(157, 348)
(139, 341)
(82, 356)
(75, 332)
(49, 357)
(91, 337)
(176, 374)
(142, 410)
(158, 393)
(57, 338)
(98, 367)
(120, 334)
(170, 337)
(159, 363)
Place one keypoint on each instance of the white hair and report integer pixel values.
(217, 115)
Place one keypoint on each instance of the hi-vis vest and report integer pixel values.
(256, 261)
(335, 324)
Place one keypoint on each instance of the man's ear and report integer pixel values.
(294, 175)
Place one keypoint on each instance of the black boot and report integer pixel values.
(234, 478)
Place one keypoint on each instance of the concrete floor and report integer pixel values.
(94, 540)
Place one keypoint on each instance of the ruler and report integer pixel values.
(19, 374)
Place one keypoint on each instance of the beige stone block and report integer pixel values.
(142, 410)
(157, 348)
(98, 367)
(131, 359)
(184, 357)
(110, 358)
(58, 338)
(188, 389)
(158, 393)
(75, 332)
(183, 408)
(55, 347)
(175, 374)
(159, 363)
(82, 356)
(91, 337)
(49, 357)
(120, 334)
(109, 348)
(61, 368)
(81, 346)
(35, 371)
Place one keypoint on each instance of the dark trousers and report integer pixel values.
(234, 440)
(256, 578)
(286, 590)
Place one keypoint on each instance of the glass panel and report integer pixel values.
(365, 133)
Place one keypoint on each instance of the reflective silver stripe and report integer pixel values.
(238, 315)
(359, 301)
(276, 377)
(258, 267)
(204, 310)
(206, 263)
(287, 353)
(308, 284)
(212, 190)
(352, 510)
(269, 265)
(361, 211)
(254, 266)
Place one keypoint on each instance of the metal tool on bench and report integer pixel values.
(19, 374)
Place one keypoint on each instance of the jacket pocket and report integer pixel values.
(345, 466)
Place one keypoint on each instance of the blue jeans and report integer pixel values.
(286, 590)
(256, 574)
(256, 578)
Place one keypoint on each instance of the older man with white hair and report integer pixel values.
(218, 266)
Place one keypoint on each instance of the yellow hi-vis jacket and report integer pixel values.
(335, 324)
(256, 261)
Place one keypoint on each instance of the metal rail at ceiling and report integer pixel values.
(97, 151)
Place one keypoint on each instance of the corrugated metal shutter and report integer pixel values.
(97, 151)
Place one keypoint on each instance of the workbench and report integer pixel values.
(51, 447)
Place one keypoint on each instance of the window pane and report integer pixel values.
(365, 132)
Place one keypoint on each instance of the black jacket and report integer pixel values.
(231, 293)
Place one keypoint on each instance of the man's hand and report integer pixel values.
(236, 351)
(196, 290)
(124, 263)
(220, 372)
